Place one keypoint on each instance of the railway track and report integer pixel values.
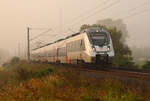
(129, 78)
(113, 71)
(121, 73)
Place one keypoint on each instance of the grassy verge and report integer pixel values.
(42, 82)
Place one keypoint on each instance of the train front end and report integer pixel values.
(101, 47)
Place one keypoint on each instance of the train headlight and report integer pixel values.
(108, 48)
(94, 49)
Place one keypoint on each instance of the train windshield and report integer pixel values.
(99, 39)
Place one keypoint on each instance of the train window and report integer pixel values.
(62, 51)
(70, 48)
(50, 53)
(67, 46)
(79, 45)
(82, 44)
(74, 46)
(46, 54)
(99, 38)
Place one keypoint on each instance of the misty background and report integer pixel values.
(61, 15)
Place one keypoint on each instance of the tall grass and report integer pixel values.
(42, 82)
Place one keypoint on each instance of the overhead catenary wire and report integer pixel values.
(40, 34)
(133, 14)
(34, 38)
(136, 13)
(133, 10)
(90, 10)
(83, 15)
(39, 42)
(92, 14)
(100, 10)
(39, 28)
(141, 5)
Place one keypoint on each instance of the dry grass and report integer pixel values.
(64, 85)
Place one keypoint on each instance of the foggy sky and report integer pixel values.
(17, 15)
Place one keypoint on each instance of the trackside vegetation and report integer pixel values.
(45, 82)
(146, 65)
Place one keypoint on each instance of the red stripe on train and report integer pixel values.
(67, 60)
(54, 59)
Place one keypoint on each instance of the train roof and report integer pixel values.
(94, 29)
(88, 30)
(58, 40)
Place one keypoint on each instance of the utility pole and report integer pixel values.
(28, 43)
(29, 40)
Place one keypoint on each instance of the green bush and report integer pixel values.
(25, 73)
(6, 64)
(13, 61)
(146, 65)
(43, 72)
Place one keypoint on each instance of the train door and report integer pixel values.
(67, 59)
(57, 56)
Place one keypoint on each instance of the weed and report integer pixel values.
(41, 82)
